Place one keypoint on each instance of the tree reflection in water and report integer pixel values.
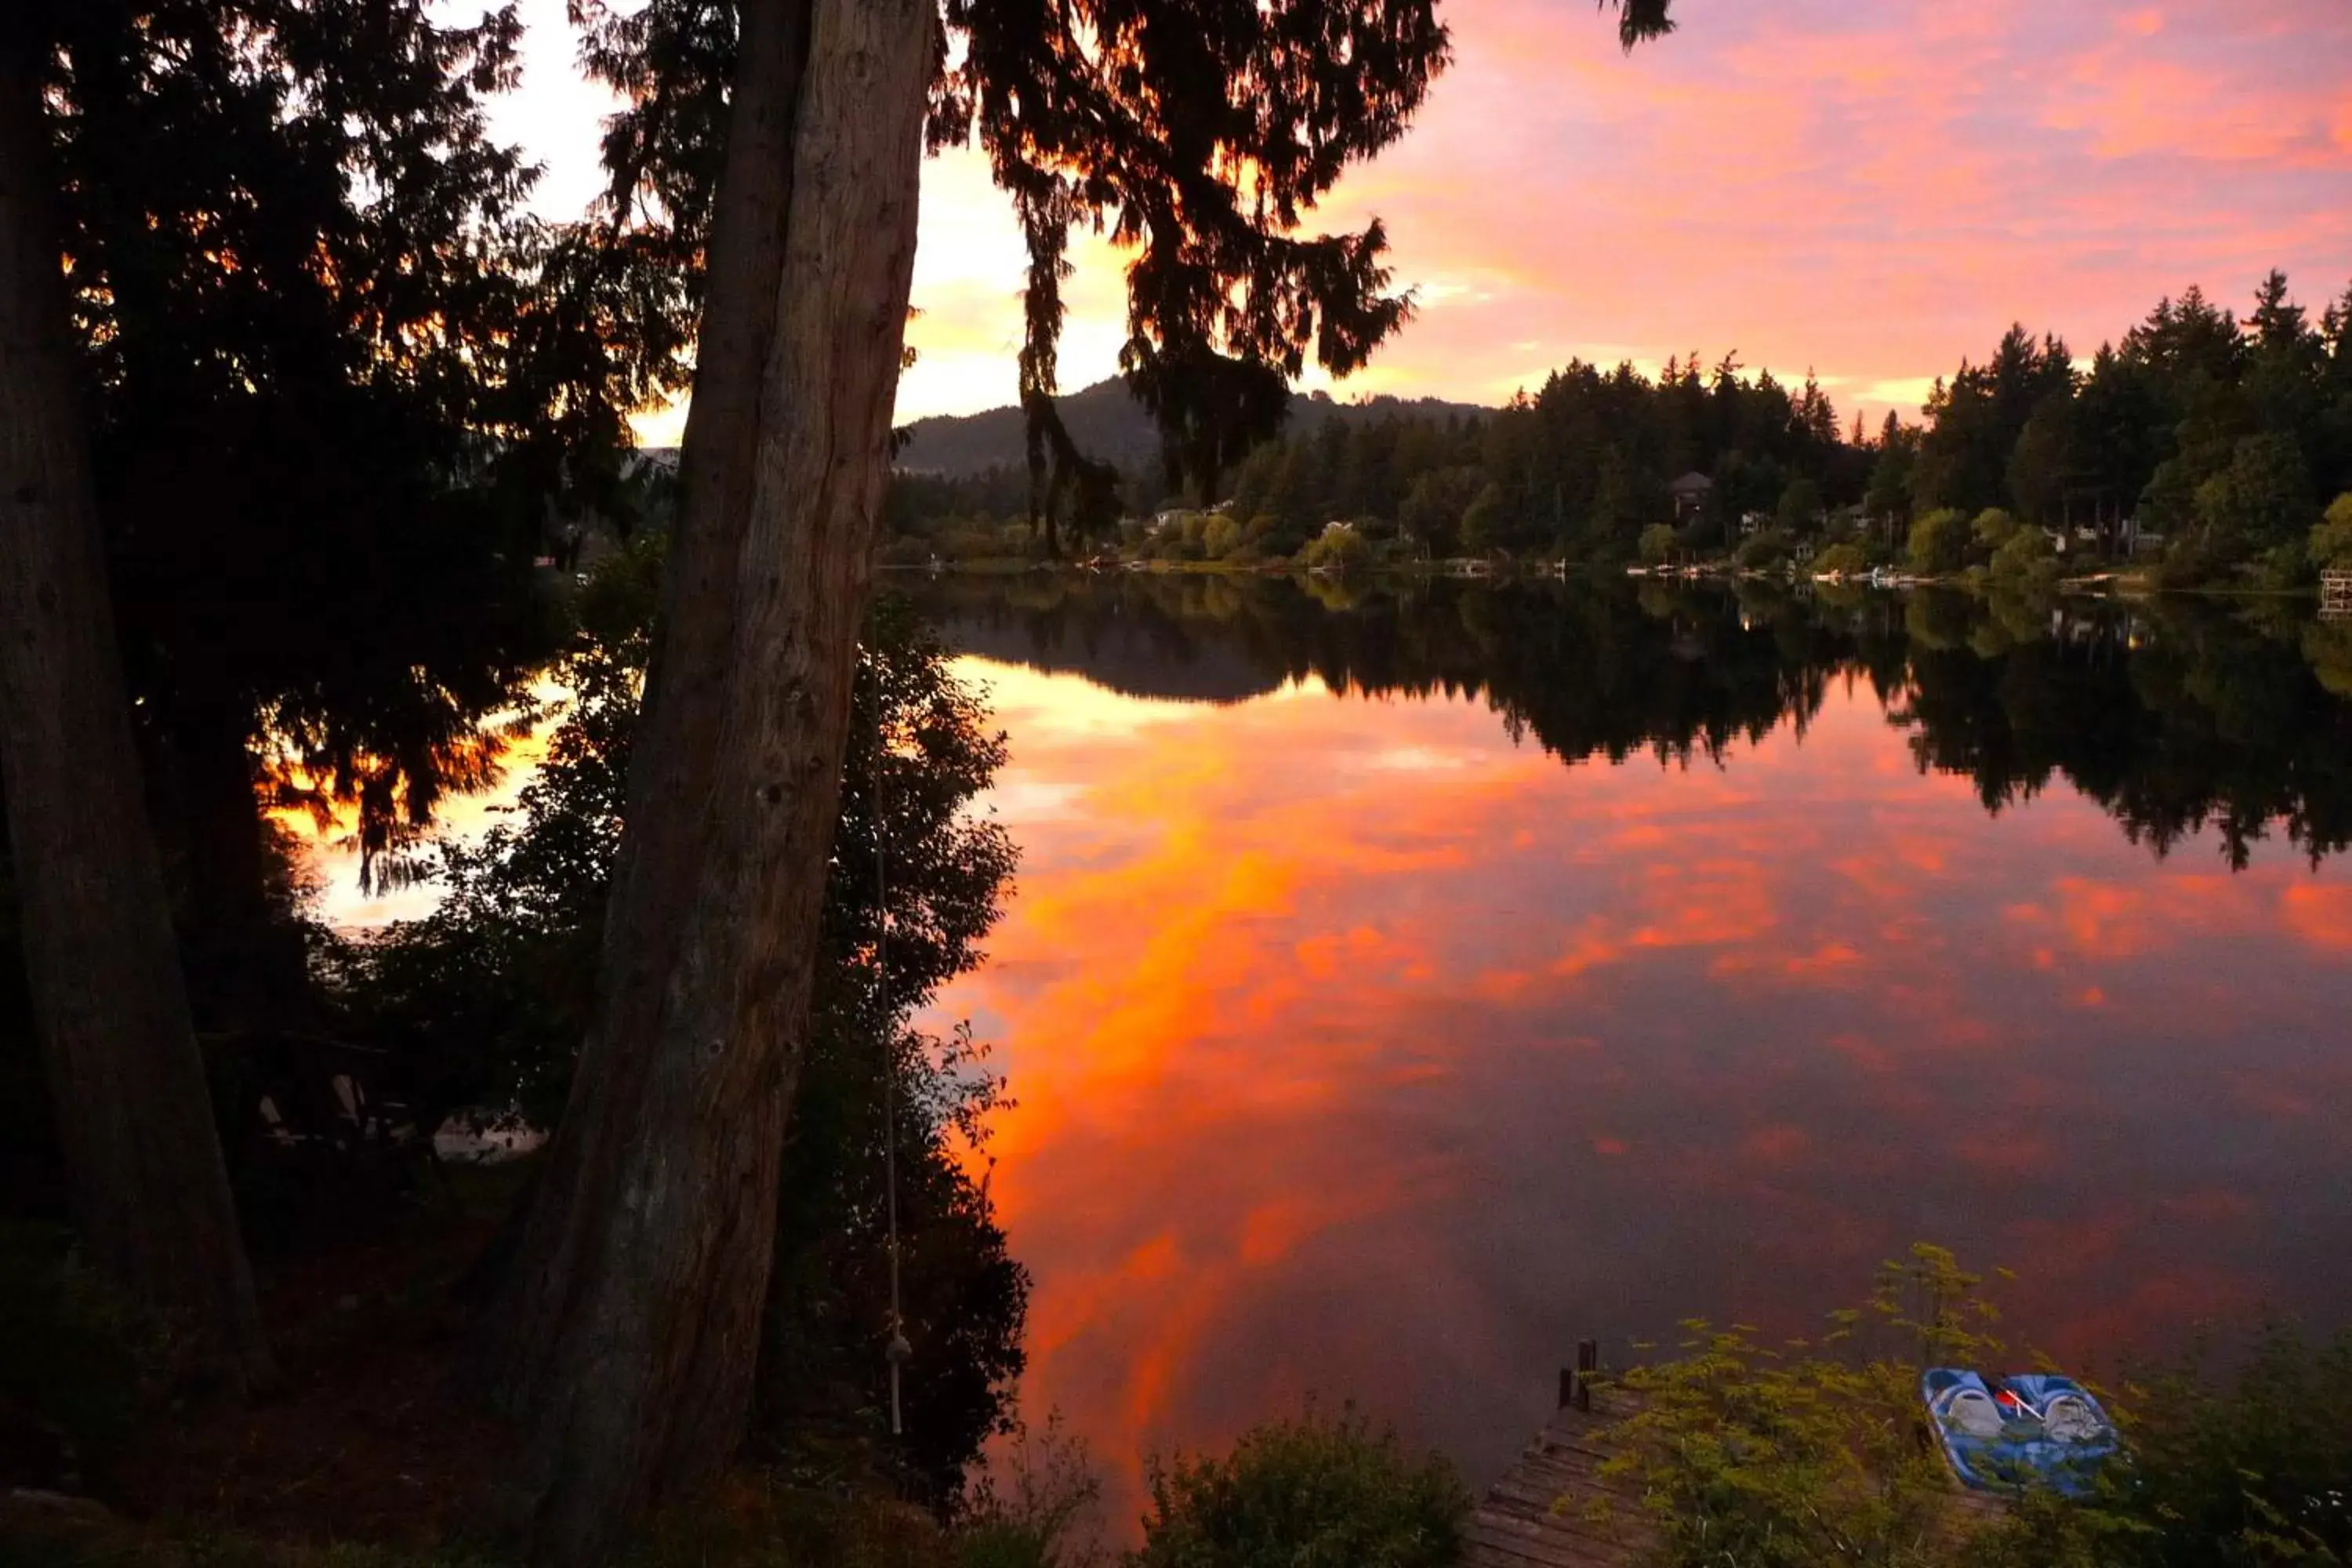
(2173, 714)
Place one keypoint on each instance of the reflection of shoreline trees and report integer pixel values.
(2173, 716)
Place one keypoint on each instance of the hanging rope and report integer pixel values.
(898, 1350)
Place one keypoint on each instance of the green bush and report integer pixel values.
(2331, 542)
(69, 1359)
(1940, 542)
(1026, 1506)
(2025, 556)
(1316, 1492)
(1338, 549)
(1821, 1453)
(1841, 560)
(1658, 543)
(1994, 528)
(1747, 1455)
(1765, 550)
(2253, 1470)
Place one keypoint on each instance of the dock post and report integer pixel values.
(1576, 1382)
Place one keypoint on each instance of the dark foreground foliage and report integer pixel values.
(488, 996)
(1319, 1489)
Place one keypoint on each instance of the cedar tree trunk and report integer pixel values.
(239, 976)
(149, 1197)
(628, 1337)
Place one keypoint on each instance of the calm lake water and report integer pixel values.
(1401, 987)
(1404, 985)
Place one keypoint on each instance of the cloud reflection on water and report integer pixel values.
(1360, 1051)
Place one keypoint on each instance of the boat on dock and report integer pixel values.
(2009, 1435)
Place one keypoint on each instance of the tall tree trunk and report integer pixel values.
(144, 1161)
(238, 974)
(632, 1323)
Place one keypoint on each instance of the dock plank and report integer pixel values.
(1522, 1522)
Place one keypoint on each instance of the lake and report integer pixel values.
(1404, 985)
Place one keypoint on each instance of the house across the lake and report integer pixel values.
(1690, 493)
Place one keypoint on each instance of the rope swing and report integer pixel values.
(900, 1350)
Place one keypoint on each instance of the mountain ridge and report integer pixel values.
(1108, 425)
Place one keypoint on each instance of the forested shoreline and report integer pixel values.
(2202, 447)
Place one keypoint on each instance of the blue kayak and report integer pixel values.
(2033, 1429)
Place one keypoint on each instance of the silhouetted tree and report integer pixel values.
(341, 376)
(149, 1194)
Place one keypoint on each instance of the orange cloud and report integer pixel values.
(2320, 913)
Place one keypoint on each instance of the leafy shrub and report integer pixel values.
(2025, 556)
(69, 1359)
(1026, 1509)
(1658, 542)
(1772, 1459)
(1765, 550)
(1800, 508)
(1820, 1454)
(1316, 1492)
(1337, 548)
(1940, 542)
(1841, 560)
(2330, 548)
(2256, 1470)
(1995, 528)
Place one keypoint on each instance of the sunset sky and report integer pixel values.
(1868, 190)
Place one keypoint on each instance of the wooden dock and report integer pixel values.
(1536, 1517)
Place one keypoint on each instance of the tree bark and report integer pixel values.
(240, 975)
(149, 1196)
(631, 1326)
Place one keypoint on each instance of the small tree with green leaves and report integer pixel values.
(1800, 508)
(1764, 550)
(2025, 558)
(1221, 536)
(2251, 1472)
(2331, 542)
(1994, 528)
(1658, 543)
(1808, 1453)
(1846, 560)
(1303, 1494)
(1940, 542)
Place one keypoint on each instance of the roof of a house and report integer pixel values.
(1690, 483)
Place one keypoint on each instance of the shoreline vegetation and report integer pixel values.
(1505, 569)
(1789, 1454)
(2197, 451)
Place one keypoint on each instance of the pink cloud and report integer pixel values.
(1872, 195)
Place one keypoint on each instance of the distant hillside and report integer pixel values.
(1109, 423)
